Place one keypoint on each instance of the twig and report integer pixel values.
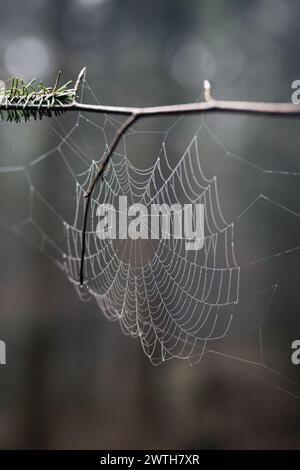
(88, 195)
(213, 105)
(207, 106)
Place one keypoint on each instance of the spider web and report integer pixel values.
(178, 303)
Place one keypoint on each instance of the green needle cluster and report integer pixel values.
(23, 101)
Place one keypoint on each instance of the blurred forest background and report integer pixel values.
(73, 380)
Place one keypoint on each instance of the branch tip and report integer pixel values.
(79, 79)
(207, 90)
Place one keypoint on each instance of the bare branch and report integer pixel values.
(213, 105)
(209, 105)
(88, 195)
